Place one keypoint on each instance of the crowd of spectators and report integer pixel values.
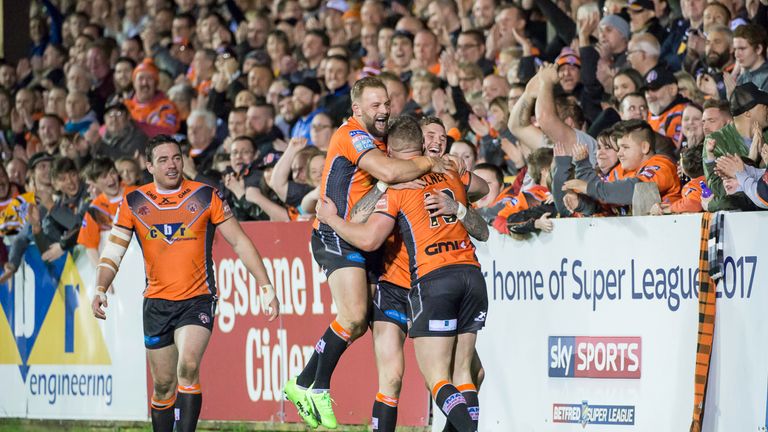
(563, 107)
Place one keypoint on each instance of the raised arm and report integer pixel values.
(282, 171)
(520, 117)
(234, 235)
(546, 113)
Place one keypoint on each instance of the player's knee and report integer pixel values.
(358, 327)
(188, 368)
(164, 389)
(391, 381)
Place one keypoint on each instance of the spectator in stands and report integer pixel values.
(101, 174)
(56, 102)
(665, 104)
(290, 179)
(465, 151)
(426, 51)
(320, 131)
(98, 62)
(694, 190)
(79, 114)
(266, 136)
(633, 107)
(637, 154)
(121, 137)
(305, 99)
(50, 131)
(16, 169)
(715, 116)
(152, 111)
(643, 52)
(337, 101)
(614, 36)
(749, 46)
(124, 67)
(201, 127)
(397, 91)
(692, 126)
(129, 170)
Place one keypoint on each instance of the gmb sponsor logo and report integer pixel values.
(584, 414)
(594, 357)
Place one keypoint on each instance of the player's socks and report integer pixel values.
(307, 376)
(162, 414)
(330, 348)
(453, 405)
(384, 418)
(188, 404)
(473, 401)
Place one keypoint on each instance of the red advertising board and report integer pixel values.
(249, 359)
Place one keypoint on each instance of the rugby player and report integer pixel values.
(448, 301)
(174, 221)
(356, 158)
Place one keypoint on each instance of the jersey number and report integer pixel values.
(434, 221)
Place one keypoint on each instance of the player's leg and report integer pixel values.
(433, 355)
(349, 288)
(162, 366)
(191, 341)
(388, 339)
(462, 373)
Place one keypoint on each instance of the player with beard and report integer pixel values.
(390, 300)
(356, 156)
(174, 220)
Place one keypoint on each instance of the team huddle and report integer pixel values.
(399, 220)
(392, 235)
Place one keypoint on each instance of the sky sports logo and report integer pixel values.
(595, 357)
(584, 414)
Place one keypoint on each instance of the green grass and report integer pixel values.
(19, 425)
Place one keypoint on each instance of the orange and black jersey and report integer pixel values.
(98, 218)
(175, 230)
(432, 242)
(395, 256)
(343, 181)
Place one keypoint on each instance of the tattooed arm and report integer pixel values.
(440, 204)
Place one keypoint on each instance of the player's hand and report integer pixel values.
(325, 209)
(575, 185)
(274, 309)
(99, 302)
(9, 271)
(544, 223)
(457, 163)
(413, 184)
(548, 75)
(53, 253)
(440, 204)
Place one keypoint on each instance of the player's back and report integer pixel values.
(432, 242)
(175, 231)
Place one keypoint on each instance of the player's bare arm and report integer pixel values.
(478, 188)
(109, 263)
(391, 170)
(234, 235)
(368, 236)
(440, 204)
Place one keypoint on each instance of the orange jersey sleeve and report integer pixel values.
(432, 242)
(691, 200)
(343, 182)
(662, 171)
(175, 231)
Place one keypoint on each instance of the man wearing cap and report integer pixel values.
(149, 107)
(665, 103)
(121, 138)
(749, 107)
(613, 35)
(642, 19)
(306, 97)
(724, 149)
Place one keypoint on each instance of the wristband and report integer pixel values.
(461, 212)
(380, 185)
(267, 294)
(101, 292)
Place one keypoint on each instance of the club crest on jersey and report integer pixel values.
(170, 232)
(192, 207)
(143, 211)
